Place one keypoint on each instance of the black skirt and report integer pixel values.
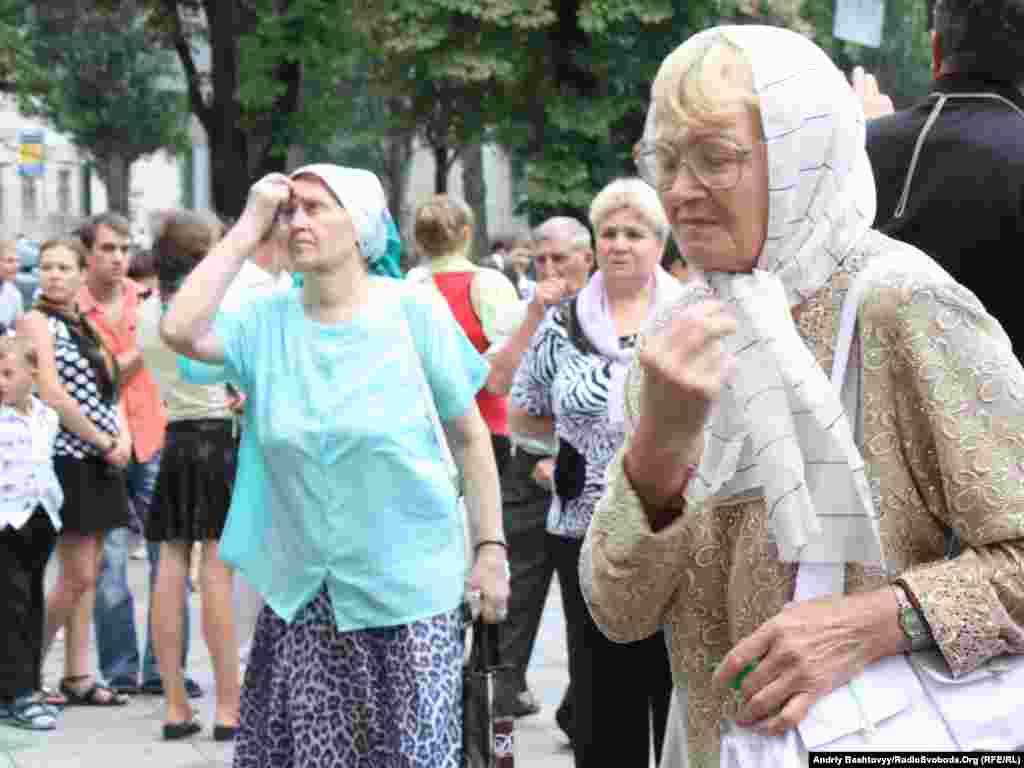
(95, 495)
(193, 488)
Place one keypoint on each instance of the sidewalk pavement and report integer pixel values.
(130, 735)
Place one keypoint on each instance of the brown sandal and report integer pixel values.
(95, 695)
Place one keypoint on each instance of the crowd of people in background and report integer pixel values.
(640, 404)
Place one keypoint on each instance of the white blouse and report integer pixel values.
(27, 479)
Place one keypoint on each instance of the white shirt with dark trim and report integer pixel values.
(27, 479)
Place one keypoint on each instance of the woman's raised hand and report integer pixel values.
(685, 367)
(266, 197)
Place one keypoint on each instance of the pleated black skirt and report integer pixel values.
(193, 488)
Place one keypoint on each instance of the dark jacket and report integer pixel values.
(966, 202)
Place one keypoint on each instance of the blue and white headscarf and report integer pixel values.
(361, 194)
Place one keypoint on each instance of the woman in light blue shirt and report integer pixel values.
(345, 515)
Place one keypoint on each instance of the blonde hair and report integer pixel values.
(440, 225)
(20, 348)
(635, 195)
(701, 83)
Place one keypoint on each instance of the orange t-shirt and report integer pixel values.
(147, 417)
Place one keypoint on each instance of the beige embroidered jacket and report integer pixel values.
(943, 424)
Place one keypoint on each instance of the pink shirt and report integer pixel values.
(147, 417)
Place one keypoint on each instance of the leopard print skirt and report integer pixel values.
(315, 697)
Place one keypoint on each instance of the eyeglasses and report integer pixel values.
(715, 163)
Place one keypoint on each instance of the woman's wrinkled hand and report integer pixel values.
(490, 578)
(806, 651)
(685, 367)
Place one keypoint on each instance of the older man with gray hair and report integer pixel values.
(563, 259)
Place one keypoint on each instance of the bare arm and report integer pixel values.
(34, 326)
(470, 442)
(506, 360)
(471, 446)
(187, 327)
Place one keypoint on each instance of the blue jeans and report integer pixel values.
(117, 641)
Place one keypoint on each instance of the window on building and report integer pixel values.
(64, 191)
(29, 200)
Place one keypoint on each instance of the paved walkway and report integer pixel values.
(129, 736)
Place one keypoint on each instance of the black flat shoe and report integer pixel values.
(178, 731)
(156, 688)
(225, 732)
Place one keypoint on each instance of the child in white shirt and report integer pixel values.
(30, 501)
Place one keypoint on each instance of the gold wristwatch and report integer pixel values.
(912, 622)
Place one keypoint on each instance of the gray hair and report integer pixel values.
(564, 228)
(635, 195)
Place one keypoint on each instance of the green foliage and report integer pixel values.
(16, 62)
(310, 37)
(452, 70)
(98, 80)
(562, 84)
(597, 69)
(902, 63)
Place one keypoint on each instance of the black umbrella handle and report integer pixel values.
(486, 651)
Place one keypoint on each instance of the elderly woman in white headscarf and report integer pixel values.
(796, 537)
(344, 516)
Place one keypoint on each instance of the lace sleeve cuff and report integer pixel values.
(963, 611)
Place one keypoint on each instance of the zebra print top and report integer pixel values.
(563, 376)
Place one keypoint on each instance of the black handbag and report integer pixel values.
(487, 740)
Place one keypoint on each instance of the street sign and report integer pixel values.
(860, 21)
(31, 152)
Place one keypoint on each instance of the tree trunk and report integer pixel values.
(115, 171)
(440, 168)
(398, 154)
(229, 146)
(229, 172)
(474, 187)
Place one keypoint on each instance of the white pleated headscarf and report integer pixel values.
(779, 427)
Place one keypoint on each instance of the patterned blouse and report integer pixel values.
(78, 377)
(943, 423)
(556, 378)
